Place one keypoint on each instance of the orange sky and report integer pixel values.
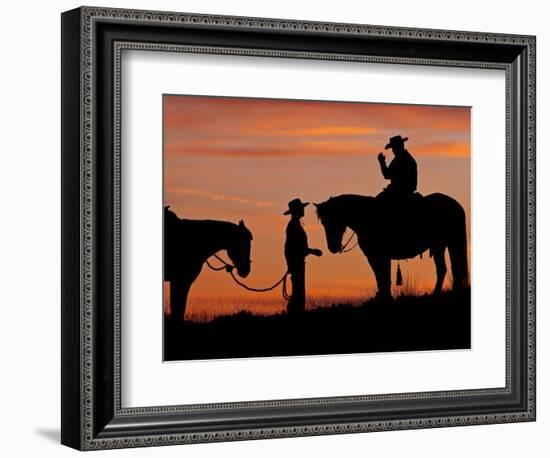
(238, 158)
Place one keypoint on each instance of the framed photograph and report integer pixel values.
(317, 146)
(277, 228)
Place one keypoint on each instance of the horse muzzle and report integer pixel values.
(335, 249)
(243, 273)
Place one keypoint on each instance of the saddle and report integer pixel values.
(397, 200)
(401, 217)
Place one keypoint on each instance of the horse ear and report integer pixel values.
(247, 231)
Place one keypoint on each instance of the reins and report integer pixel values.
(230, 267)
(399, 276)
(343, 249)
(226, 266)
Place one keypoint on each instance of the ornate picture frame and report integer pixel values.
(93, 416)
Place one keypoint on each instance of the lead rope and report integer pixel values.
(229, 268)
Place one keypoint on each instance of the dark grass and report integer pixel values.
(408, 323)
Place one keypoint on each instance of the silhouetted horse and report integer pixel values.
(189, 243)
(433, 222)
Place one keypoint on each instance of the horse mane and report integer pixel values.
(216, 226)
(338, 204)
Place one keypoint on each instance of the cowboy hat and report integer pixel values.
(295, 205)
(396, 141)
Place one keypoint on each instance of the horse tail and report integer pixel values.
(458, 253)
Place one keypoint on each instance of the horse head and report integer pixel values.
(238, 249)
(330, 217)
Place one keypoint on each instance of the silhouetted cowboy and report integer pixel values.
(402, 171)
(296, 250)
(400, 202)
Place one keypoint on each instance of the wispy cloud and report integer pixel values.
(215, 126)
(457, 149)
(219, 197)
(328, 131)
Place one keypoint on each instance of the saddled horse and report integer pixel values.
(434, 222)
(189, 243)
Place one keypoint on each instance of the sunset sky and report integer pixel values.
(239, 158)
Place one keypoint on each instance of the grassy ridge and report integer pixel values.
(408, 323)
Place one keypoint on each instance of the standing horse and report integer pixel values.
(189, 243)
(434, 222)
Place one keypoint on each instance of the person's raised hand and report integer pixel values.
(381, 158)
(316, 252)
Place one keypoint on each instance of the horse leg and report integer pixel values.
(459, 264)
(440, 268)
(178, 299)
(381, 267)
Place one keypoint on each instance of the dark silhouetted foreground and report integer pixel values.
(408, 323)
